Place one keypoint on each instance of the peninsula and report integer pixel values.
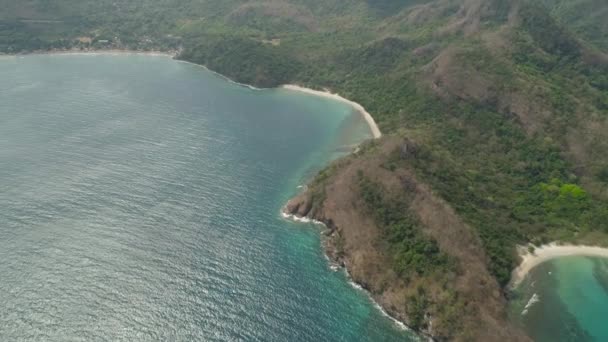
(489, 119)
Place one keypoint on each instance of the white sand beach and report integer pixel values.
(376, 133)
(367, 116)
(548, 252)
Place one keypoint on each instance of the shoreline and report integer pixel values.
(369, 119)
(376, 133)
(110, 52)
(371, 123)
(377, 305)
(335, 265)
(228, 79)
(374, 129)
(548, 252)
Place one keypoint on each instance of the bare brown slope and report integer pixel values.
(465, 305)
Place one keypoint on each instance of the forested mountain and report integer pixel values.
(494, 113)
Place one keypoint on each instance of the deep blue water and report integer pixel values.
(140, 199)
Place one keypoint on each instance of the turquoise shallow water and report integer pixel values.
(140, 198)
(570, 300)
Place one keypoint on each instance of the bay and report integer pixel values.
(565, 299)
(140, 201)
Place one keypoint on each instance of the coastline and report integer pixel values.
(369, 119)
(375, 130)
(367, 116)
(171, 54)
(548, 252)
(228, 79)
(336, 264)
(373, 126)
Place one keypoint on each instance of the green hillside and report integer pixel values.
(504, 101)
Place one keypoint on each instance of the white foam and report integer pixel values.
(386, 314)
(300, 219)
(533, 300)
(541, 254)
(357, 286)
(352, 283)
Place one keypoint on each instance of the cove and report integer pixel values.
(140, 200)
(564, 299)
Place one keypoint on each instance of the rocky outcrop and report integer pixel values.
(356, 242)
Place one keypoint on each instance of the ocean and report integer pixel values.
(564, 299)
(140, 200)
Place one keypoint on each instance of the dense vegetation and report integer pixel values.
(250, 61)
(506, 99)
(413, 253)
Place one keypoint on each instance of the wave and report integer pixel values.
(548, 252)
(300, 219)
(358, 286)
(352, 283)
(533, 300)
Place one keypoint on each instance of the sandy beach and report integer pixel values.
(548, 252)
(376, 133)
(367, 116)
